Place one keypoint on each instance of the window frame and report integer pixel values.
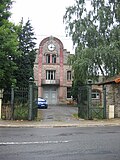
(69, 75)
(50, 74)
(53, 58)
(96, 94)
(69, 92)
(47, 58)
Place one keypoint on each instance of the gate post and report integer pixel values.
(30, 110)
(83, 102)
(1, 96)
(78, 101)
(89, 98)
(12, 102)
(104, 101)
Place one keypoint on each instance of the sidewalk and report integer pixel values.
(41, 124)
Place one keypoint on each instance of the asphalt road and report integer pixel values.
(90, 143)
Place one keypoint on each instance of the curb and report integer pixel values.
(19, 124)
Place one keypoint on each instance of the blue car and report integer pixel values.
(42, 103)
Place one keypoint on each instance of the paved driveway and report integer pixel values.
(59, 113)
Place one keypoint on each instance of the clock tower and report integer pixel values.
(52, 69)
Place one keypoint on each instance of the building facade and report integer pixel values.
(52, 74)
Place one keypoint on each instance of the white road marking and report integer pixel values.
(41, 142)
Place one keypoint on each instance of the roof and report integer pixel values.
(114, 79)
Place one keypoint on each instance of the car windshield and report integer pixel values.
(41, 99)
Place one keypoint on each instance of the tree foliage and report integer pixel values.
(5, 13)
(17, 49)
(95, 32)
(8, 45)
(25, 62)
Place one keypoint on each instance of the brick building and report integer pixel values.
(52, 74)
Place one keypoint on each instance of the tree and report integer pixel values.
(28, 52)
(5, 6)
(8, 46)
(96, 35)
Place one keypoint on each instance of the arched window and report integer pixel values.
(53, 58)
(68, 75)
(48, 58)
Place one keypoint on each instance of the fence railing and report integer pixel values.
(19, 103)
(86, 108)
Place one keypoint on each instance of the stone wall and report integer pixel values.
(113, 98)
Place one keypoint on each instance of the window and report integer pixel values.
(48, 58)
(68, 75)
(95, 94)
(53, 58)
(68, 92)
(50, 75)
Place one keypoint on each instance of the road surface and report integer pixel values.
(90, 143)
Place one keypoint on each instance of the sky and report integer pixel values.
(46, 18)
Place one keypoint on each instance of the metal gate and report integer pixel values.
(83, 102)
(16, 103)
(6, 105)
(87, 108)
(20, 104)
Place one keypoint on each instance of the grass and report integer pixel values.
(75, 115)
(21, 112)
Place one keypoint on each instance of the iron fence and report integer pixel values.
(87, 107)
(6, 105)
(16, 103)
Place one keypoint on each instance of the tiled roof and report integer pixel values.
(115, 79)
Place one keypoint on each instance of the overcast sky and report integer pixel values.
(46, 18)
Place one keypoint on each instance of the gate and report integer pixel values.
(6, 105)
(83, 102)
(20, 104)
(16, 103)
(87, 107)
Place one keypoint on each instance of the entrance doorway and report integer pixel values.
(50, 94)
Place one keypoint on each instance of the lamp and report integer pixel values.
(89, 81)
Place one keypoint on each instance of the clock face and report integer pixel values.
(51, 47)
